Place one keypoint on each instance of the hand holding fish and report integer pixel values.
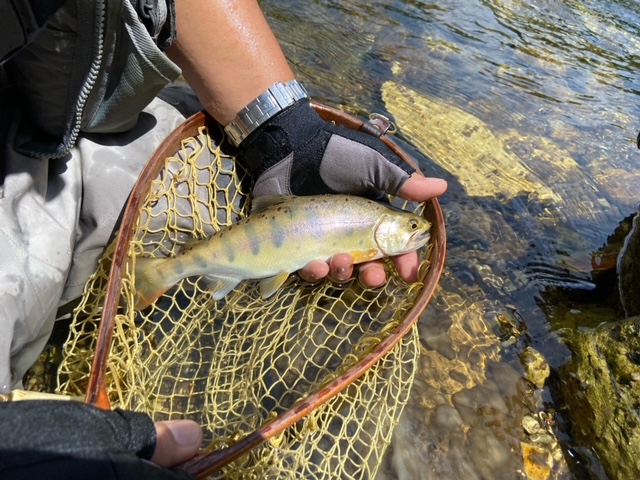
(298, 153)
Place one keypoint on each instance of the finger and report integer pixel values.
(407, 265)
(372, 274)
(341, 267)
(314, 271)
(420, 189)
(177, 441)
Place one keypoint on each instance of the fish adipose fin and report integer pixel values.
(269, 286)
(220, 286)
(151, 283)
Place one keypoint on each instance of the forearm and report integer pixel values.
(227, 53)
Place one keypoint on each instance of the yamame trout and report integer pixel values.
(281, 235)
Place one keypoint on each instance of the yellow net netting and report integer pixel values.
(235, 364)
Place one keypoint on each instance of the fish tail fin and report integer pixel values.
(150, 281)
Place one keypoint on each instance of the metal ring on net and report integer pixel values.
(343, 313)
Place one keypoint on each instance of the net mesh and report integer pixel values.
(233, 365)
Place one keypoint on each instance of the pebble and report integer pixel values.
(530, 424)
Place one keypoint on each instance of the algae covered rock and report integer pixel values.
(601, 387)
(628, 270)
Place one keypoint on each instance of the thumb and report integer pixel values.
(419, 188)
(177, 442)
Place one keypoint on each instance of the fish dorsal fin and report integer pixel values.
(262, 203)
(269, 286)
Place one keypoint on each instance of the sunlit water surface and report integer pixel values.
(555, 82)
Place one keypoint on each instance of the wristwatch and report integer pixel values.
(277, 97)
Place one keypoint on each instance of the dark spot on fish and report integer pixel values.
(253, 238)
(179, 269)
(361, 243)
(277, 234)
(229, 251)
(200, 260)
(279, 209)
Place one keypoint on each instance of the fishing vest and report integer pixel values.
(83, 66)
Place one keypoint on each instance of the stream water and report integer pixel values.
(545, 91)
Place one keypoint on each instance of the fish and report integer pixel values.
(279, 236)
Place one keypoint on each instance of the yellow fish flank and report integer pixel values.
(281, 235)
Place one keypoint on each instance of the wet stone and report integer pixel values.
(447, 417)
(602, 397)
(542, 438)
(530, 424)
(537, 462)
(491, 456)
(536, 368)
(479, 403)
(628, 270)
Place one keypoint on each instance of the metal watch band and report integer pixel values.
(277, 97)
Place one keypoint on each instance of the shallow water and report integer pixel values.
(555, 83)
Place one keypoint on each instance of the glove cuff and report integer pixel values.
(288, 131)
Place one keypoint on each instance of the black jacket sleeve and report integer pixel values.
(58, 440)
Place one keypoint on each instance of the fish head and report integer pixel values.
(401, 232)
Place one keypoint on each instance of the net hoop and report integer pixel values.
(207, 462)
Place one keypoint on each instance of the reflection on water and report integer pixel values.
(545, 91)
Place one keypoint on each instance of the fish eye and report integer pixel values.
(414, 224)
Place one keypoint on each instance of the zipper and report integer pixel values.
(88, 85)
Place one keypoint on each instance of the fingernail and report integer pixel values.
(440, 181)
(340, 274)
(185, 432)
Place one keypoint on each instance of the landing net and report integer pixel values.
(236, 364)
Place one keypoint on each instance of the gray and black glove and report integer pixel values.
(298, 153)
(59, 440)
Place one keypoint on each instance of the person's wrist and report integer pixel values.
(278, 97)
(289, 131)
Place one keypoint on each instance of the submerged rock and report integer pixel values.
(536, 368)
(462, 144)
(601, 387)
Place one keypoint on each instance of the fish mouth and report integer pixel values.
(420, 238)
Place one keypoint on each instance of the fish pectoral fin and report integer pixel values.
(366, 255)
(220, 286)
(268, 286)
